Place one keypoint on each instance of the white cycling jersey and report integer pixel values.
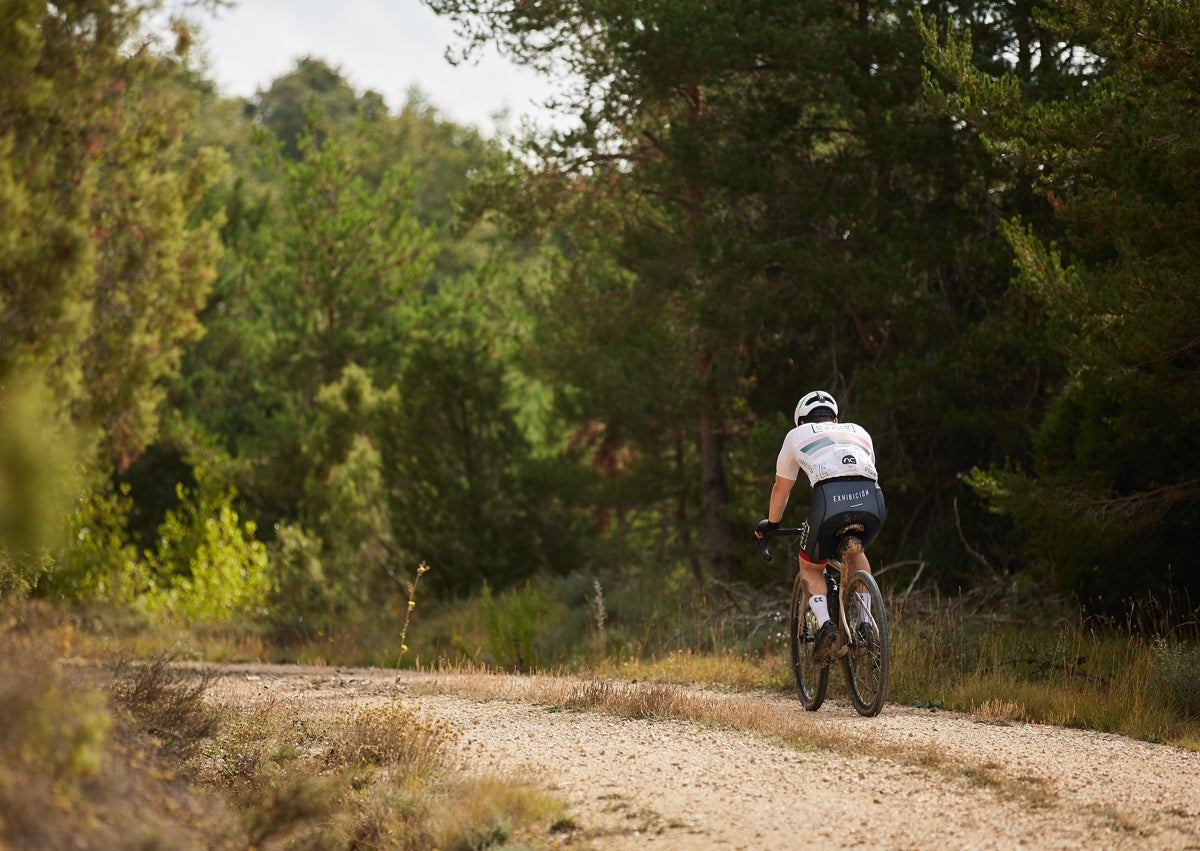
(827, 451)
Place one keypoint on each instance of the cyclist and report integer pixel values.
(839, 459)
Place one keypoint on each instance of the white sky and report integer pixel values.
(384, 45)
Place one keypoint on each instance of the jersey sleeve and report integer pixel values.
(787, 466)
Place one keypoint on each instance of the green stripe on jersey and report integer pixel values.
(826, 441)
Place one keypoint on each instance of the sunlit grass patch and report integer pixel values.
(734, 671)
(487, 812)
(1000, 709)
(1069, 674)
(390, 736)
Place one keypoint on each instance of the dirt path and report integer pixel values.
(909, 779)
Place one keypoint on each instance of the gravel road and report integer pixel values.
(908, 779)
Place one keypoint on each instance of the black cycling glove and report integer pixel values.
(765, 527)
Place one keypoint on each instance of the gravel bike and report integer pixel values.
(864, 645)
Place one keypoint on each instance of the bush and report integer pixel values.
(302, 598)
(1177, 673)
(52, 747)
(517, 623)
(394, 737)
(166, 700)
(208, 568)
(98, 564)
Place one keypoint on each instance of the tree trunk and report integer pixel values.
(715, 492)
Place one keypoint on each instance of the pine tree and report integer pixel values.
(104, 257)
(1115, 478)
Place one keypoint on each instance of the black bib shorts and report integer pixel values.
(836, 503)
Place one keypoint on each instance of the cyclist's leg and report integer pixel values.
(875, 515)
(855, 563)
(813, 574)
(858, 561)
(812, 567)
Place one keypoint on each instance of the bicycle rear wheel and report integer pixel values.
(867, 663)
(811, 679)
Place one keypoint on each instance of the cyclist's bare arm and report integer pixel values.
(780, 491)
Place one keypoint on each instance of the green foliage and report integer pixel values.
(286, 106)
(1114, 271)
(102, 265)
(345, 496)
(204, 567)
(343, 265)
(756, 197)
(208, 567)
(301, 594)
(38, 477)
(518, 623)
(99, 563)
(462, 484)
(328, 277)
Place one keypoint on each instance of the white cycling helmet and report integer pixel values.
(817, 403)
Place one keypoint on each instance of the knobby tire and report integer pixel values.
(867, 665)
(811, 679)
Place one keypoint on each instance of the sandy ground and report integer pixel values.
(908, 779)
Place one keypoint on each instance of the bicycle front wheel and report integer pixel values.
(811, 679)
(867, 663)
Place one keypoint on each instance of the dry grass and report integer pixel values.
(147, 760)
(1067, 673)
(1001, 711)
(76, 771)
(494, 812)
(370, 776)
(733, 671)
(665, 701)
(412, 747)
(165, 700)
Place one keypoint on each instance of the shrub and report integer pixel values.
(1177, 672)
(51, 742)
(393, 737)
(302, 598)
(98, 564)
(517, 622)
(166, 699)
(208, 567)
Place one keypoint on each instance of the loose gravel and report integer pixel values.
(907, 779)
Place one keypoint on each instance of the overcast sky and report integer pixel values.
(384, 45)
